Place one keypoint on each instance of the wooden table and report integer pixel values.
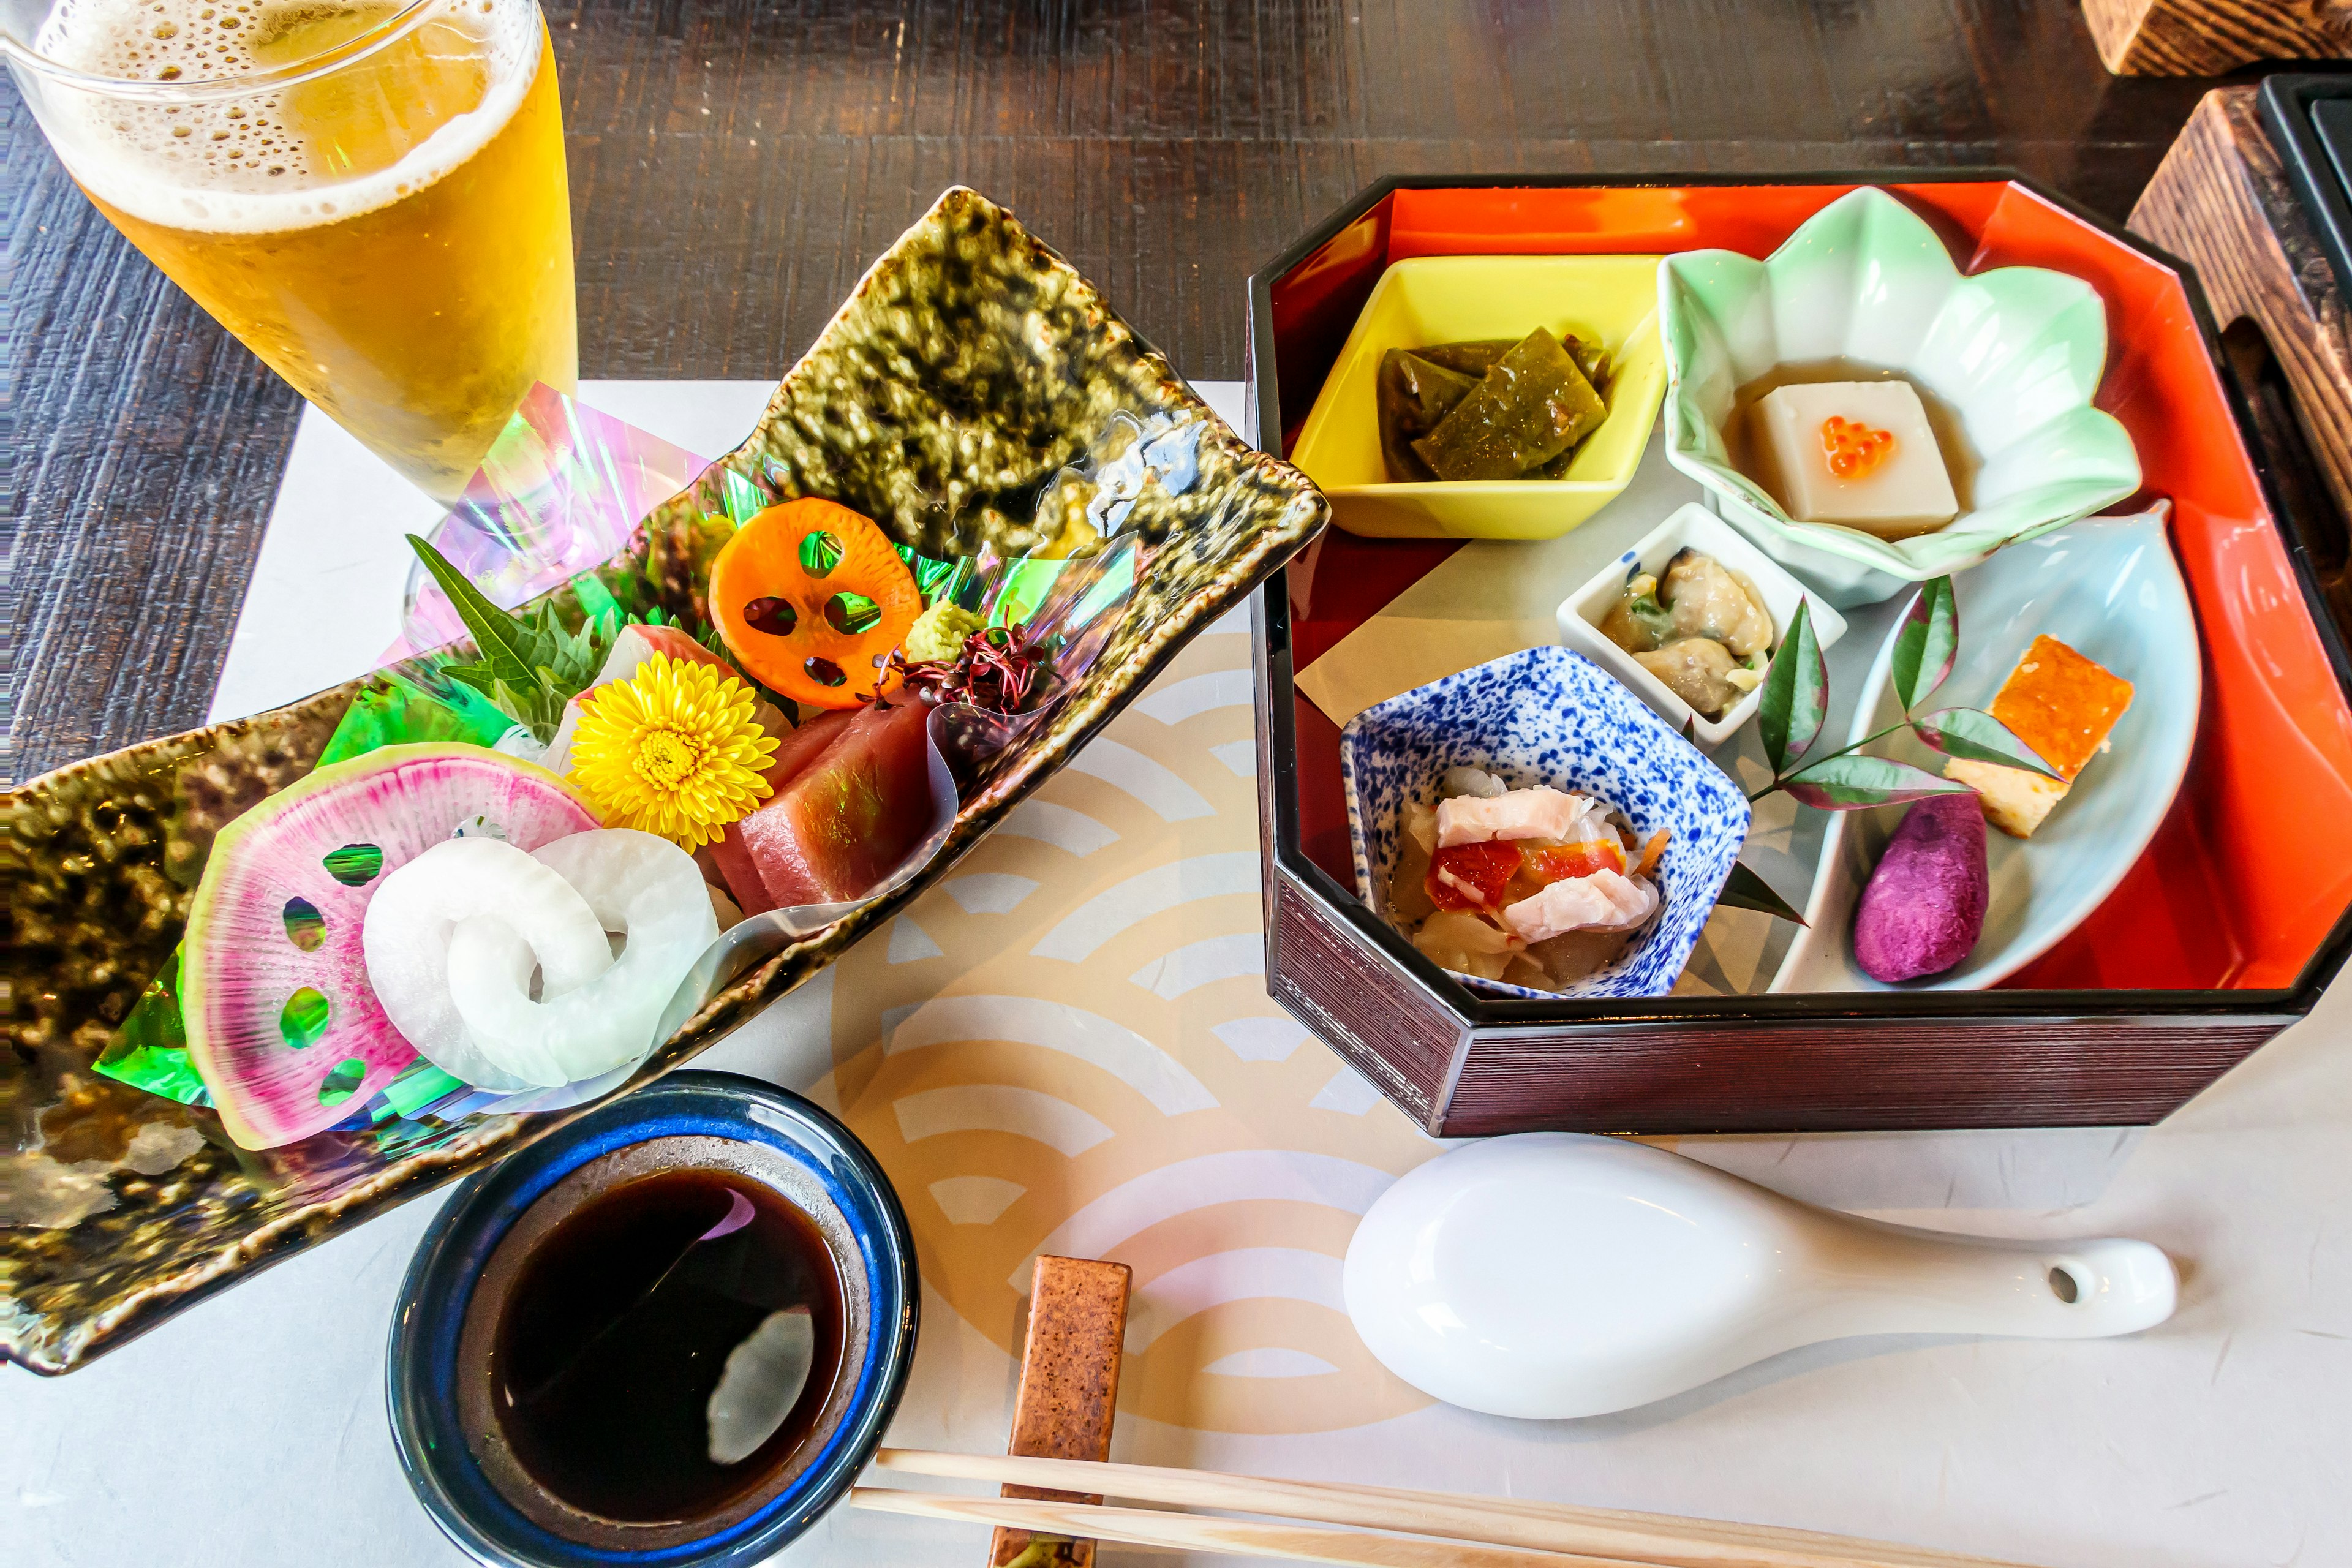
(735, 163)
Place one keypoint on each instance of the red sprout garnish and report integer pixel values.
(998, 670)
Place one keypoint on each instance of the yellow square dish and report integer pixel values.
(1451, 299)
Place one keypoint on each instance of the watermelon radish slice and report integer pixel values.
(281, 1019)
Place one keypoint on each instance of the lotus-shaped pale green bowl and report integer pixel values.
(2016, 353)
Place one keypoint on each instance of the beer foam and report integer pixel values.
(232, 165)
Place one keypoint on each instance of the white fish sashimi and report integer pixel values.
(1540, 813)
(1605, 900)
(406, 945)
(635, 883)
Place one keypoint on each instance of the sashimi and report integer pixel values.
(798, 749)
(846, 820)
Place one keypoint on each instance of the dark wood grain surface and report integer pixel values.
(735, 163)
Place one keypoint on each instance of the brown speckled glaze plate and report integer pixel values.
(970, 366)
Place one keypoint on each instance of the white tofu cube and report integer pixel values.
(1893, 492)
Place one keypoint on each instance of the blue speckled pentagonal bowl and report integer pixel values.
(436, 1383)
(1549, 716)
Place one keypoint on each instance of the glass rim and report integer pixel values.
(212, 90)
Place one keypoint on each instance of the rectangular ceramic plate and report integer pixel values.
(971, 365)
(2225, 930)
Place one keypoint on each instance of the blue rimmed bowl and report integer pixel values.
(1549, 716)
(437, 1378)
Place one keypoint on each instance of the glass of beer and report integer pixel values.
(370, 194)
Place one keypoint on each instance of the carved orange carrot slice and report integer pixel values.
(811, 597)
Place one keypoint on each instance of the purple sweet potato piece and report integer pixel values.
(1924, 906)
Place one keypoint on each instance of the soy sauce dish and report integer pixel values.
(672, 1332)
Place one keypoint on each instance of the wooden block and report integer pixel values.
(1069, 1384)
(2207, 38)
(2220, 202)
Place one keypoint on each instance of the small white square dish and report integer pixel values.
(1692, 527)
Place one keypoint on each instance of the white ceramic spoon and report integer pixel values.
(1557, 1274)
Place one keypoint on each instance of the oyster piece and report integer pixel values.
(1707, 599)
(1637, 622)
(1698, 670)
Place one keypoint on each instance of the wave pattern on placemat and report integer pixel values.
(1067, 1046)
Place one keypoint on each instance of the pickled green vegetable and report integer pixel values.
(1471, 359)
(1477, 357)
(1533, 405)
(1414, 394)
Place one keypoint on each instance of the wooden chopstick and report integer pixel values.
(1609, 1534)
(1199, 1532)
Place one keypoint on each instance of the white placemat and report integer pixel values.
(250, 1430)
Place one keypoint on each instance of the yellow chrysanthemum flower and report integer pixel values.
(672, 750)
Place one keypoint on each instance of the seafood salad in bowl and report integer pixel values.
(1530, 825)
(1539, 887)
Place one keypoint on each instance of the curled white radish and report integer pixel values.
(406, 941)
(637, 883)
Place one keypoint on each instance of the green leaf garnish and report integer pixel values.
(1743, 890)
(529, 665)
(1852, 781)
(1977, 736)
(501, 639)
(1927, 644)
(1796, 695)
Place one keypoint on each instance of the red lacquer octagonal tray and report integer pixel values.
(2225, 930)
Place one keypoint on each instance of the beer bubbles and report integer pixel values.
(414, 108)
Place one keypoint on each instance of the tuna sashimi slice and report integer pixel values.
(846, 820)
(734, 862)
(798, 748)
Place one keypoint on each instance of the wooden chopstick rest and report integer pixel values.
(1069, 1388)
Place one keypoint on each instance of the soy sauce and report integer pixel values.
(621, 1326)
